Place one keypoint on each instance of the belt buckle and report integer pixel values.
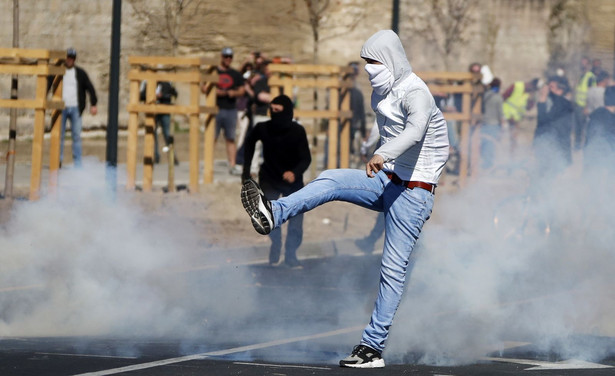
(432, 189)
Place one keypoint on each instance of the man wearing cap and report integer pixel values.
(229, 88)
(75, 85)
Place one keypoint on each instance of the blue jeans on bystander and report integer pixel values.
(73, 114)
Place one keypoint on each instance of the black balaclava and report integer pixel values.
(284, 118)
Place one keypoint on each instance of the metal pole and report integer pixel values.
(395, 17)
(114, 74)
(10, 155)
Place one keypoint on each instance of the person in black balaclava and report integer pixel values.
(286, 156)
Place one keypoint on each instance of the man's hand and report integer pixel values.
(93, 110)
(289, 177)
(374, 165)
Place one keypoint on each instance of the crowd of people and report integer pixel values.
(566, 114)
(243, 99)
(568, 118)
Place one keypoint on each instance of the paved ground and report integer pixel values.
(294, 328)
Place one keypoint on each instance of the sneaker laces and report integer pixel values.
(359, 349)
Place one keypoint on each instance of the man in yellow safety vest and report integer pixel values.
(518, 98)
(587, 79)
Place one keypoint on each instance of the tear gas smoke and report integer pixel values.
(108, 268)
(545, 279)
(78, 263)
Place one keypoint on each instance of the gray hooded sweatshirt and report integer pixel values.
(413, 132)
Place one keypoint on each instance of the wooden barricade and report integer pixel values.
(286, 78)
(468, 85)
(39, 63)
(194, 71)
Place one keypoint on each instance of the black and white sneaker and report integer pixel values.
(257, 206)
(363, 357)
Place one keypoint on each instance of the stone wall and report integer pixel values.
(512, 36)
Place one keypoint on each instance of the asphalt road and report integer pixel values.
(296, 326)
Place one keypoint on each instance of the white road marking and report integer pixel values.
(88, 355)
(280, 365)
(507, 345)
(257, 346)
(542, 365)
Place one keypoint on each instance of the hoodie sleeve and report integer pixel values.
(417, 105)
(249, 145)
(303, 149)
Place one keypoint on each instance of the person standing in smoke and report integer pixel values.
(599, 148)
(552, 145)
(286, 156)
(400, 180)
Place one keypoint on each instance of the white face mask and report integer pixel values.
(380, 77)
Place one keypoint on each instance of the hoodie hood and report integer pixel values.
(386, 48)
(284, 118)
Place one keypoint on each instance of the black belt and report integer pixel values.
(411, 184)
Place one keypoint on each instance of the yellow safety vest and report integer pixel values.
(582, 87)
(514, 106)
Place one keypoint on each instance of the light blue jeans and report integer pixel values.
(73, 114)
(405, 211)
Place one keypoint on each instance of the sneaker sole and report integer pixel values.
(294, 267)
(375, 364)
(252, 201)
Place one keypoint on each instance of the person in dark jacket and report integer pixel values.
(76, 85)
(552, 144)
(599, 149)
(165, 93)
(286, 156)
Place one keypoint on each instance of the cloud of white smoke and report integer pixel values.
(531, 260)
(80, 262)
(542, 275)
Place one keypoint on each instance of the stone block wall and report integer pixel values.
(509, 35)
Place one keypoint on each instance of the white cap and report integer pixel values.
(487, 75)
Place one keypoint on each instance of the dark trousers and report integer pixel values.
(294, 230)
(163, 121)
(580, 123)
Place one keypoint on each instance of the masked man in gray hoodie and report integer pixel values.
(399, 180)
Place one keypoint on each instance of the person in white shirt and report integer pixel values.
(595, 94)
(400, 180)
(76, 84)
